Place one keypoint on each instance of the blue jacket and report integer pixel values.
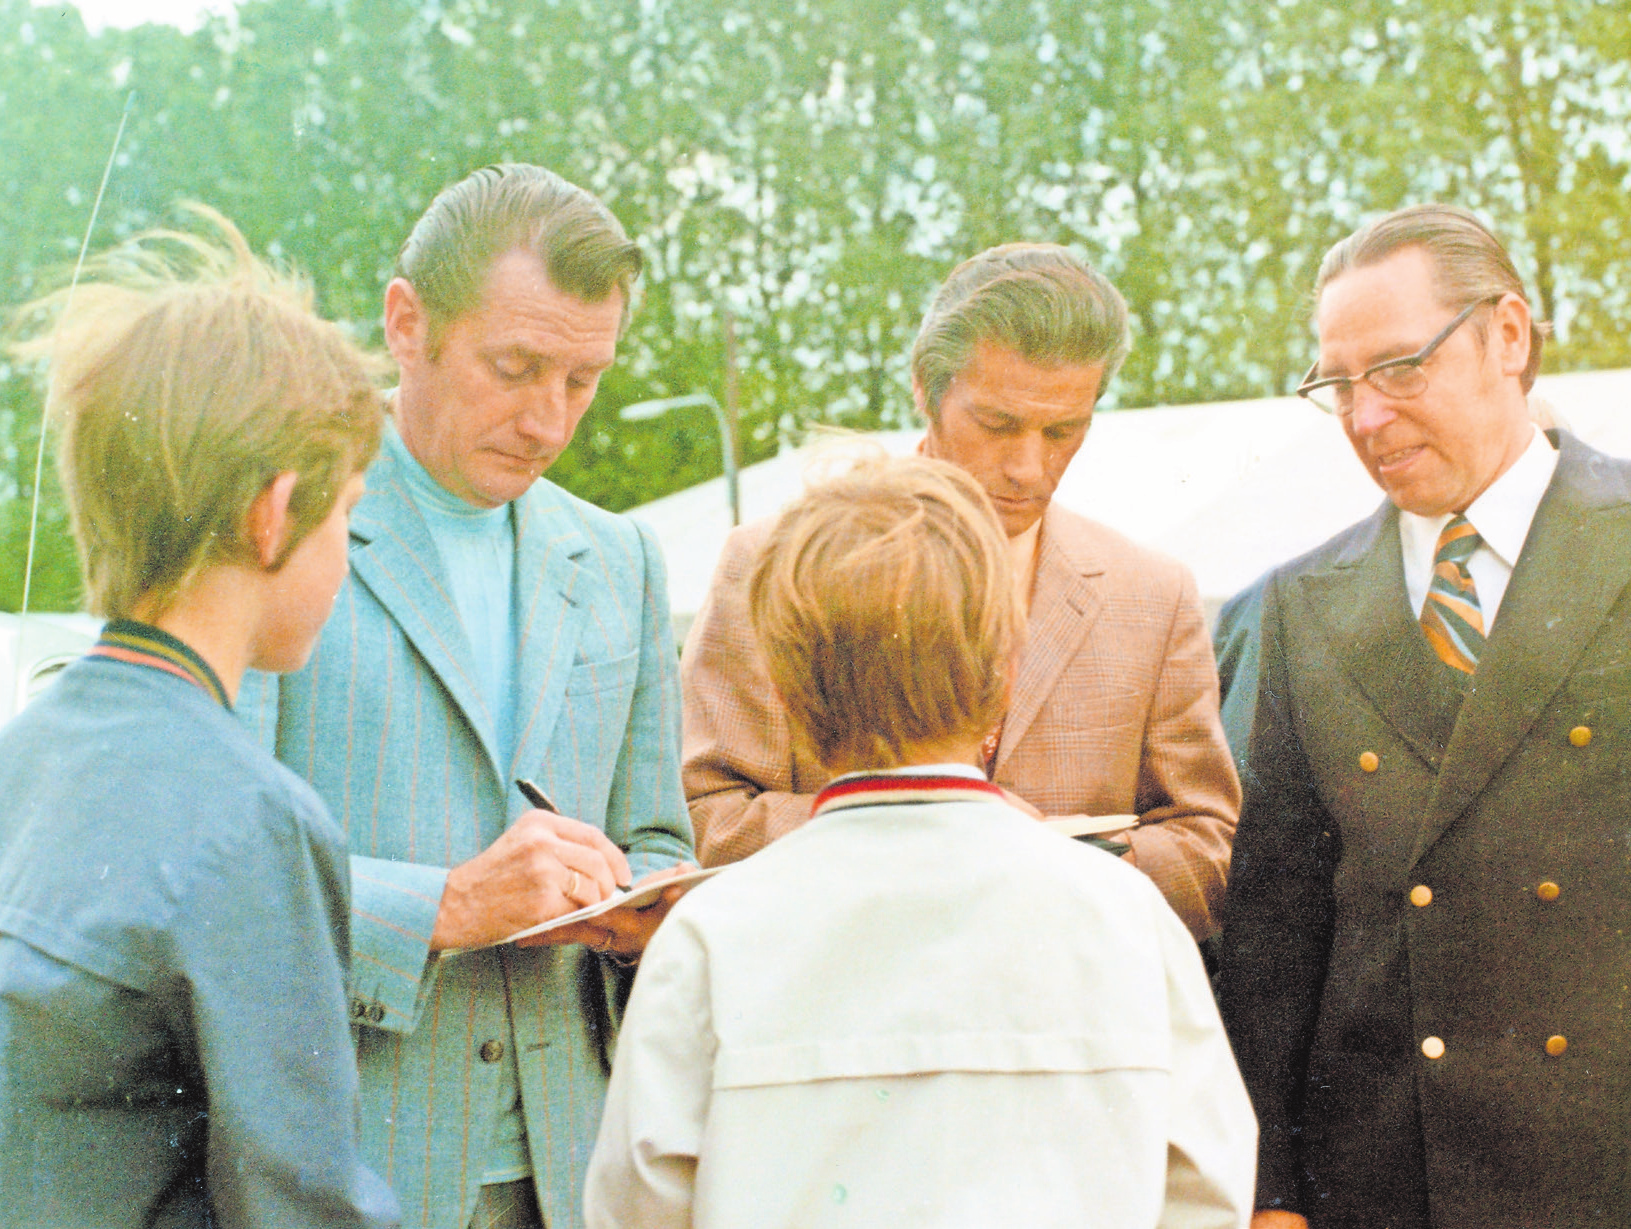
(173, 1043)
(388, 723)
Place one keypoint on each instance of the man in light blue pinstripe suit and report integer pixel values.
(492, 627)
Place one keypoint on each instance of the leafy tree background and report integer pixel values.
(810, 169)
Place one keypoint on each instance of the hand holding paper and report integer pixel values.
(1092, 825)
(623, 923)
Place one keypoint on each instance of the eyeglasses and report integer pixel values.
(1401, 378)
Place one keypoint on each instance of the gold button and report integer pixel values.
(1421, 895)
(1556, 1045)
(1548, 891)
(1433, 1047)
(1580, 735)
(491, 1051)
(1368, 761)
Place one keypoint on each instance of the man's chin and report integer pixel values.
(1421, 498)
(508, 482)
(1017, 517)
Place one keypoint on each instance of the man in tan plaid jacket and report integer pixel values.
(1114, 707)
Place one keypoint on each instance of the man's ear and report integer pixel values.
(1510, 334)
(407, 327)
(920, 398)
(929, 445)
(269, 522)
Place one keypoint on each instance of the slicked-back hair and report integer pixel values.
(1036, 299)
(451, 249)
(884, 611)
(1469, 263)
(183, 376)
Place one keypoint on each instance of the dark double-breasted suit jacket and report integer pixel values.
(1428, 930)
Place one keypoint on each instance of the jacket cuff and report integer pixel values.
(393, 912)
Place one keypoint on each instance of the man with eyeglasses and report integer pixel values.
(1427, 936)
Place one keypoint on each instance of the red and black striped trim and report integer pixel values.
(891, 789)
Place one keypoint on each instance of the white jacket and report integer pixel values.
(931, 1013)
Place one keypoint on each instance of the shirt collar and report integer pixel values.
(918, 770)
(1503, 513)
(1023, 552)
(905, 787)
(142, 644)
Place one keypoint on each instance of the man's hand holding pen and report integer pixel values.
(546, 865)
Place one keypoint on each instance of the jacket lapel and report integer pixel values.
(393, 556)
(551, 610)
(1065, 602)
(1359, 605)
(1574, 566)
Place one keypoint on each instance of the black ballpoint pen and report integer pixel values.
(536, 796)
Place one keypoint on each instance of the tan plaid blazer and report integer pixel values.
(1115, 710)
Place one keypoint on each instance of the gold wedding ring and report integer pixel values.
(572, 888)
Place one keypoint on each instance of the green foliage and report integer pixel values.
(55, 584)
(814, 168)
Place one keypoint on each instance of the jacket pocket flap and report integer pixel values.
(991, 1053)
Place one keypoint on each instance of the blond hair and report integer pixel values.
(884, 610)
(184, 375)
(1037, 299)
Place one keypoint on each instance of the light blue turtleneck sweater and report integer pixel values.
(477, 549)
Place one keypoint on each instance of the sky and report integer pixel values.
(185, 14)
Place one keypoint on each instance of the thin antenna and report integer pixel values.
(39, 456)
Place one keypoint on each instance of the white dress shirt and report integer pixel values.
(1022, 552)
(1501, 515)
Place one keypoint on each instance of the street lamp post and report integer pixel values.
(642, 410)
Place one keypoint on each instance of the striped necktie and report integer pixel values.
(1451, 616)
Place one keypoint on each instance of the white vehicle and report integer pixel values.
(34, 649)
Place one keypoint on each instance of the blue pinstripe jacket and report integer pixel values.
(388, 723)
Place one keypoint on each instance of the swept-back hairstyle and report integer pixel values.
(1469, 263)
(884, 610)
(1036, 299)
(470, 224)
(184, 375)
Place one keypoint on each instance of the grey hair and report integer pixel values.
(1037, 299)
(1469, 263)
(470, 224)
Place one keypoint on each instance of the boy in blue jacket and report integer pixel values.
(174, 1045)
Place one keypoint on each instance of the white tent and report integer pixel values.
(1231, 488)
